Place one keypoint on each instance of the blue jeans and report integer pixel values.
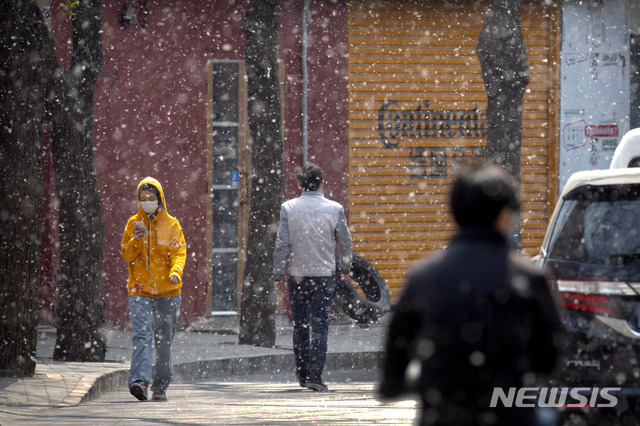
(157, 316)
(311, 299)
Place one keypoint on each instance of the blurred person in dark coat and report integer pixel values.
(476, 317)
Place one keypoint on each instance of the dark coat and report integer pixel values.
(477, 316)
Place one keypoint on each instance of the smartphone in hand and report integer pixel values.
(138, 224)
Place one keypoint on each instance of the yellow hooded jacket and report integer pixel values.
(159, 255)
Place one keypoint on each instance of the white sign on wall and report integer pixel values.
(594, 84)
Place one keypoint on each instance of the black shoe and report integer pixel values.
(317, 385)
(139, 390)
(302, 380)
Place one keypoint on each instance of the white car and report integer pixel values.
(592, 250)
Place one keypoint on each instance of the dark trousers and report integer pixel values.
(311, 299)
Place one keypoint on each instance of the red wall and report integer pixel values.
(49, 253)
(327, 99)
(328, 96)
(150, 117)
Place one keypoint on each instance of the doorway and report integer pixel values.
(228, 166)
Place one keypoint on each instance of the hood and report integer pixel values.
(156, 184)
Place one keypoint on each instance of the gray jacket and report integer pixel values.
(311, 226)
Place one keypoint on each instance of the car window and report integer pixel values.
(558, 229)
(568, 243)
(598, 225)
(611, 230)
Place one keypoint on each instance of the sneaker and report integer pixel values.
(139, 390)
(317, 385)
(159, 396)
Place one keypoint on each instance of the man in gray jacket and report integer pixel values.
(311, 226)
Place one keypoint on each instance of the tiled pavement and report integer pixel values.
(198, 354)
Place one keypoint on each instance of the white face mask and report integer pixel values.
(149, 207)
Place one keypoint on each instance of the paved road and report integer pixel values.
(249, 400)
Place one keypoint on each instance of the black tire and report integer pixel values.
(367, 309)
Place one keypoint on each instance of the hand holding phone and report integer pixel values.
(139, 230)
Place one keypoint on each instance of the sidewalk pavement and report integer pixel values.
(199, 352)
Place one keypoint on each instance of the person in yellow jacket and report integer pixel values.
(153, 246)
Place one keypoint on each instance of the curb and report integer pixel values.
(267, 364)
(106, 383)
(259, 364)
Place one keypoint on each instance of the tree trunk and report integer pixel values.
(25, 60)
(505, 71)
(81, 301)
(258, 303)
